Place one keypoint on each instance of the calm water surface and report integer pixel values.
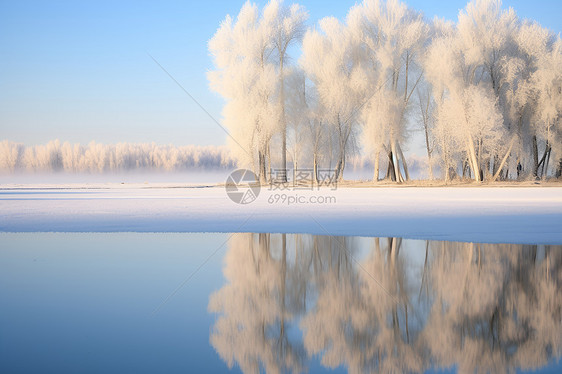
(179, 303)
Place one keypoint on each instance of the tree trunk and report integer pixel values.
(495, 162)
(479, 160)
(340, 168)
(337, 171)
(546, 163)
(283, 119)
(390, 169)
(542, 162)
(428, 151)
(261, 165)
(535, 157)
(268, 161)
(445, 157)
(503, 161)
(396, 164)
(315, 169)
(404, 163)
(295, 171)
(377, 161)
(472, 159)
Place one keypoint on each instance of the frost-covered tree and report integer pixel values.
(10, 155)
(288, 28)
(426, 109)
(463, 66)
(297, 116)
(496, 85)
(98, 158)
(391, 37)
(331, 61)
(250, 55)
(308, 133)
(540, 92)
(246, 77)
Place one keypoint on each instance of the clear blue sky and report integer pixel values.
(79, 70)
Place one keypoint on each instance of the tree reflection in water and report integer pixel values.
(365, 304)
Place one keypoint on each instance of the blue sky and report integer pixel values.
(80, 70)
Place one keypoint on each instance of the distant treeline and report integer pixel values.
(98, 158)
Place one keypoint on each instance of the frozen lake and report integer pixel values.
(525, 215)
(188, 302)
(150, 278)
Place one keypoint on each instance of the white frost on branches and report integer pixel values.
(98, 158)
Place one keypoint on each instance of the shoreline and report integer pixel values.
(557, 183)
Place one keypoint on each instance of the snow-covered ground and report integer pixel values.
(510, 214)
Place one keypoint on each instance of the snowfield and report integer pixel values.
(530, 215)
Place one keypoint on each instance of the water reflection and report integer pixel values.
(372, 304)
